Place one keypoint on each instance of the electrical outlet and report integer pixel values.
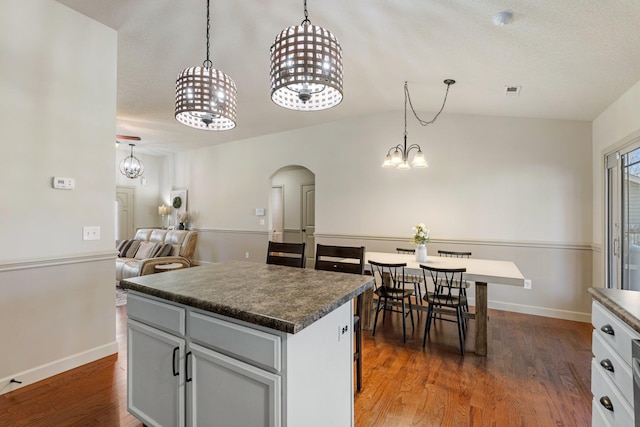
(527, 283)
(342, 329)
(246, 255)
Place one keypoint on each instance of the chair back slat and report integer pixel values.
(405, 251)
(454, 254)
(287, 254)
(343, 259)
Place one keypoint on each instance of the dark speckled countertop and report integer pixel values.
(624, 304)
(282, 298)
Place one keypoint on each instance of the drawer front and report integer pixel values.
(619, 373)
(155, 313)
(621, 335)
(255, 347)
(602, 387)
(598, 418)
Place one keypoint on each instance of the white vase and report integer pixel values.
(421, 253)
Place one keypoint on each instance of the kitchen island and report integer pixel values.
(615, 316)
(240, 343)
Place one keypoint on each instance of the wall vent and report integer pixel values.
(512, 90)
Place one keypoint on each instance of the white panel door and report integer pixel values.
(309, 221)
(155, 376)
(226, 392)
(125, 197)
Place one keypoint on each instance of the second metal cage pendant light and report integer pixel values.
(306, 67)
(206, 97)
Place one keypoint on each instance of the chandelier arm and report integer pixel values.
(423, 122)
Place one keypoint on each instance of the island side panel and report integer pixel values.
(319, 380)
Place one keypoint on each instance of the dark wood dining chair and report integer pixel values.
(445, 300)
(390, 290)
(462, 286)
(415, 279)
(289, 254)
(346, 259)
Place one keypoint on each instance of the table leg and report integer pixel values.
(365, 315)
(481, 318)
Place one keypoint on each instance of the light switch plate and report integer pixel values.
(91, 232)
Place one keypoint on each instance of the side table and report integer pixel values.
(168, 267)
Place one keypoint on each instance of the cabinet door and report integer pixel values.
(223, 391)
(155, 376)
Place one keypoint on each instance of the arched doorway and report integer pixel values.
(292, 207)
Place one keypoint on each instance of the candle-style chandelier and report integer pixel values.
(306, 67)
(398, 156)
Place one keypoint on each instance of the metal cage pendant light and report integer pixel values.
(131, 166)
(306, 67)
(398, 156)
(206, 97)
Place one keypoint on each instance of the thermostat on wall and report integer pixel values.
(64, 183)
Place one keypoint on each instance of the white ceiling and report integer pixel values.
(573, 58)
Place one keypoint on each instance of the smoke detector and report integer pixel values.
(501, 19)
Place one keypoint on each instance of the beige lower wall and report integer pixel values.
(57, 314)
(560, 273)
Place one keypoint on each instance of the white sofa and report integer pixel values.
(183, 246)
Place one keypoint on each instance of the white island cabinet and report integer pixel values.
(615, 318)
(189, 366)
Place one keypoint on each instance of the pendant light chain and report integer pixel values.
(422, 122)
(207, 63)
(306, 15)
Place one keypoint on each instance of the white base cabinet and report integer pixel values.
(194, 368)
(611, 377)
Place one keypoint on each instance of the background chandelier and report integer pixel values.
(306, 68)
(206, 97)
(399, 157)
(131, 166)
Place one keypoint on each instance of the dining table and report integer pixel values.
(478, 271)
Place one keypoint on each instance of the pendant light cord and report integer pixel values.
(306, 15)
(207, 63)
(422, 122)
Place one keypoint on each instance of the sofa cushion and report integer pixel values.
(128, 248)
(146, 248)
(161, 250)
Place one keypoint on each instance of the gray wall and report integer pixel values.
(58, 85)
(506, 188)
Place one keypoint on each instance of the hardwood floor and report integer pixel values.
(537, 374)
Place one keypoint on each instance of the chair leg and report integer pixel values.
(404, 323)
(427, 325)
(461, 333)
(413, 325)
(375, 321)
(359, 357)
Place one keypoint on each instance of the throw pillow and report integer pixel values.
(162, 250)
(146, 248)
(128, 248)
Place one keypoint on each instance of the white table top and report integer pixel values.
(478, 270)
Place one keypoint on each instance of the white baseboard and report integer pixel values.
(56, 367)
(538, 311)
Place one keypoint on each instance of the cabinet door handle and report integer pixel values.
(186, 367)
(175, 366)
(606, 402)
(607, 329)
(606, 364)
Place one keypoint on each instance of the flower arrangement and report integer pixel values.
(420, 234)
(183, 217)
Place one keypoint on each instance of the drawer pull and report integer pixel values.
(606, 364)
(606, 402)
(186, 367)
(176, 371)
(607, 329)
